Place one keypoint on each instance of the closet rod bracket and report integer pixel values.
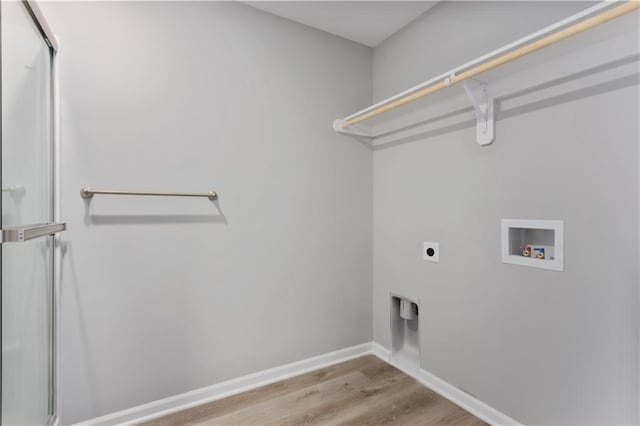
(354, 130)
(478, 93)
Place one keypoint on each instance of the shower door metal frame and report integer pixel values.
(50, 40)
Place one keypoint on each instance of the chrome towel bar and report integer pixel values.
(87, 192)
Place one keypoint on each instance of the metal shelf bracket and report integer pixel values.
(478, 93)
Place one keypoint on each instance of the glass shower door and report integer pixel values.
(27, 248)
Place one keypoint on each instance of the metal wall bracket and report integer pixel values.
(477, 91)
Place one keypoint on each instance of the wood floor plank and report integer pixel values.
(391, 409)
(273, 411)
(373, 392)
(364, 391)
(237, 402)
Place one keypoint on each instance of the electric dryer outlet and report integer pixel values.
(431, 251)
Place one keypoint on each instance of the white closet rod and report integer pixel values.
(528, 44)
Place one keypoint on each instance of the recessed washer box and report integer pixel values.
(534, 243)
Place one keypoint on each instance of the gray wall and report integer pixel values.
(164, 296)
(544, 347)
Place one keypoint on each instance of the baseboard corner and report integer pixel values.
(381, 352)
(459, 397)
(231, 387)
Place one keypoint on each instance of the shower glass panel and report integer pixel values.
(27, 199)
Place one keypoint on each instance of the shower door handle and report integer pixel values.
(20, 234)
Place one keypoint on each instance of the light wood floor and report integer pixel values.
(364, 391)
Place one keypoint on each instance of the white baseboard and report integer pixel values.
(221, 390)
(381, 352)
(448, 391)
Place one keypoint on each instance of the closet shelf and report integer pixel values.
(478, 91)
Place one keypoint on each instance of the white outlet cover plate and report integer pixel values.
(436, 248)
